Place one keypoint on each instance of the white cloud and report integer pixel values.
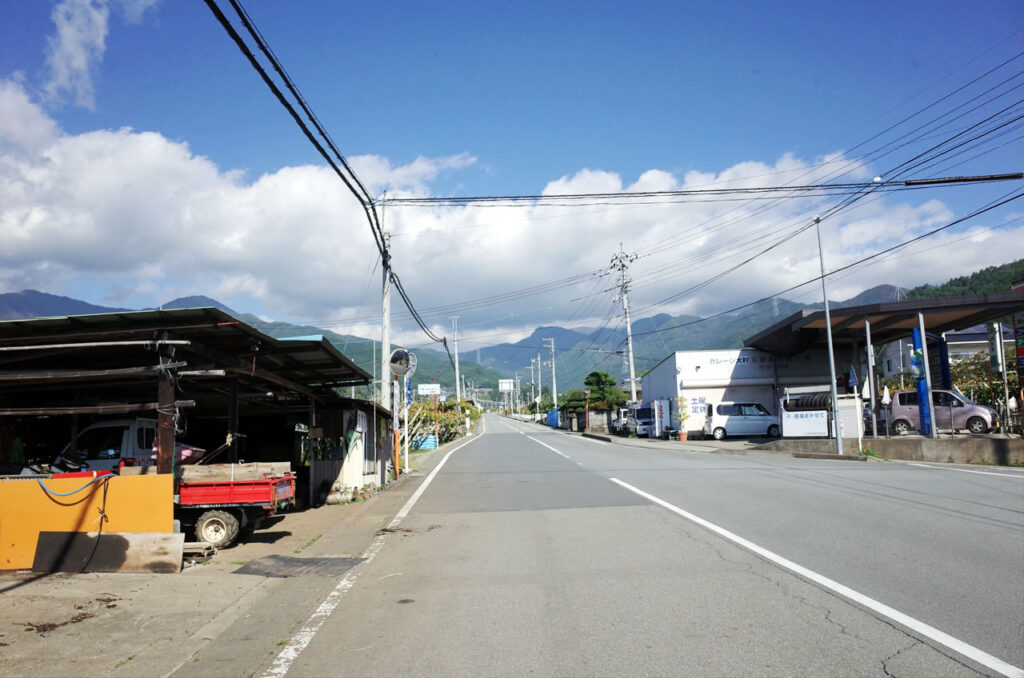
(79, 43)
(133, 219)
(23, 125)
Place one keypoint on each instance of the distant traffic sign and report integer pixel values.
(506, 385)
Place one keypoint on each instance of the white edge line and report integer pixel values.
(594, 440)
(304, 636)
(958, 646)
(1013, 476)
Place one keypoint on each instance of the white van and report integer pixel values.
(102, 446)
(740, 419)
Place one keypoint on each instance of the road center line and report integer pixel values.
(304, 636)
(1013, 476)
(955, 644)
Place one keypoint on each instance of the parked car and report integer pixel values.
(740, 419)
(618, 425)
(640, 421)
(953, 410)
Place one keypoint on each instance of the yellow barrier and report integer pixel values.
(124, 504)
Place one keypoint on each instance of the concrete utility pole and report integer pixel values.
(540, 382)
(385, 333)
(458, 385)
(621, 262)
(554, 380)
(533, 384)
(828, 334)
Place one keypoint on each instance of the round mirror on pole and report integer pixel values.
(399, 362)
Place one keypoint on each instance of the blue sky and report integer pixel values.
(169, 169)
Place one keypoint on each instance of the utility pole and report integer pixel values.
(533, 385)
(540, 382)
(385, 334)
(621, 263)
(828, 334)
(458, 385)
(554, 379)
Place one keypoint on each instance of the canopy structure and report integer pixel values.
(886, 322)
(112, 363)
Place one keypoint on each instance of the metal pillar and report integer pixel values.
(927, 374)
(871, 376)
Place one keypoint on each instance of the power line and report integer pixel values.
(348, 176)
(662, 197)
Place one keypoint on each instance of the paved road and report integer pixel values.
(534, 552)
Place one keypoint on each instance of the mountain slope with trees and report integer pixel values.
(578, 352)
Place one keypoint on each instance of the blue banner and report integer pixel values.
(917, 368)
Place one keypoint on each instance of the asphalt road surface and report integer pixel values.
(531, 552)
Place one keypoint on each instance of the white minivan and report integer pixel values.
(740, 419)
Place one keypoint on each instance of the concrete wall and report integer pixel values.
(981, 450)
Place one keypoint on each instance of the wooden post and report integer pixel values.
(165, 423)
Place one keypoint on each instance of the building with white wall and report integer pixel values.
(693, 379)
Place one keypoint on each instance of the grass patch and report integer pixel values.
(868, 452)
(308, 544)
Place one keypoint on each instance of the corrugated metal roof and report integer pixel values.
(50, 362)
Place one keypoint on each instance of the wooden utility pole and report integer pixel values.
(165, 422)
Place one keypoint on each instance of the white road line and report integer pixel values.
(955, 644)
(304, 636)
(1014, 476)
(548, 446)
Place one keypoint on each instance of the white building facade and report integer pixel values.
(692, 380)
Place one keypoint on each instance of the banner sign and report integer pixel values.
(428, 389)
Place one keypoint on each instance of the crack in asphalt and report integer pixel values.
(749, 567)
(894, 655)
(786, 590)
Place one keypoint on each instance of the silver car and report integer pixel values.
(952, 411)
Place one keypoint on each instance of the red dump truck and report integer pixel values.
(217, 501)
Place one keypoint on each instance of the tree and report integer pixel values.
(605, 394)
(974, 378)
(573, 402)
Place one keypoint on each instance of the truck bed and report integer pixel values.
(270, 492)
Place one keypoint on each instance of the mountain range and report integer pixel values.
(578, 351)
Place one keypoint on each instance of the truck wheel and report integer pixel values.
(977, 425)
(219, 528)
(719, 433)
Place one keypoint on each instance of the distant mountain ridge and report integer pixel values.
(34, 304)
(578, 352)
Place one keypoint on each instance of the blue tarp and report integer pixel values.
(428, 442)
(553, 418)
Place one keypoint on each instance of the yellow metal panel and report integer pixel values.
(130, 504)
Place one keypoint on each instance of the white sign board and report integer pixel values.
(733, 366)
(805, 424)
(428, 389)
(506, 385)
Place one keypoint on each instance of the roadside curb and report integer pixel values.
(607, 439)
(836, 457)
